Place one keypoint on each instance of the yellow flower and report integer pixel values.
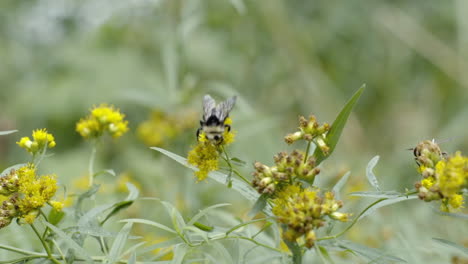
(102, 119)
(57, 205)
(41, 140)
(304, 210)
(204, 156)
(452, 174)
(428, 182)
(456, 201)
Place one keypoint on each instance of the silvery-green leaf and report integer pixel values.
(339, 185)
(451, 244)
(119, 243)
(370, 174)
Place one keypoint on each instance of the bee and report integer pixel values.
(214, 116)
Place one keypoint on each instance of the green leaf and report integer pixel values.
(456, 215)
(238, 161)
(370, 174)
(70, 242)
(91, 216)
(119, 243)
(339, 185)
(55, 216)
(177, 219)
(179, 254)
(372, 254)
(259, 205)
(151, 223)
(7, 132)
(89, 193)
(336, 128)
(110, 172)
(132, 259)
(384, 194)
(322, 251)
(204, 212)
(386, 202)
(451, 244)
(7, 171)
(132, 196)
(244, 189)
(163, 244)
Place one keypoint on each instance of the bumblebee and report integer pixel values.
(214, 116)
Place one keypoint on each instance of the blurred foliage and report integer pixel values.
(282, 58)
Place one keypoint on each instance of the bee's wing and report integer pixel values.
(223, 109)
(208, 105)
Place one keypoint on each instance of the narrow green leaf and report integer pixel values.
(456, 215)
(148, 222)
(238, 161)
(244, 189)
(336, 128)
(132, 196)
(7, 132)
(89, 193)
(324, 253)
(451, 244)
(55, 216)
(295, 250)
(203, 227)
(259, 205)
(177, 219)
(386, 202)
(91, 216)
(179, 254)
(339, 185)
(133, 249)
(370, 174)
(14, 167)
(220, 249)
(204, 212)
(110, 172)
(373, 194)
(132, 259)
(369, 253)
(119, 243)
(70, 242)
(163, 244)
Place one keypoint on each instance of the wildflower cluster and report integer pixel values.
(310, 130)
(268, 180)
(103, 119)
(301, 210)
(27, 193)
(40, 140)
(443, 178)
(205, 155)
(304, 210)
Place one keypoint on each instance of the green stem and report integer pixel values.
(22, 260)
(46, 247)
(227, 159)
(354, 221)
(296, 251)
(18, 250)
(307, 151)
(91, 164)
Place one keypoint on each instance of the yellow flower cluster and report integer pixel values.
(310, 130)
(41, 140)
(205, 155)
(304, 210)
(268, 180)
(443, 178)
(27, 193)
(162, 127)
(103, 118)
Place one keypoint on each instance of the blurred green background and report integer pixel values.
(155, 60)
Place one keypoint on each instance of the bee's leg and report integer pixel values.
(228, 127)
(198, 132)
